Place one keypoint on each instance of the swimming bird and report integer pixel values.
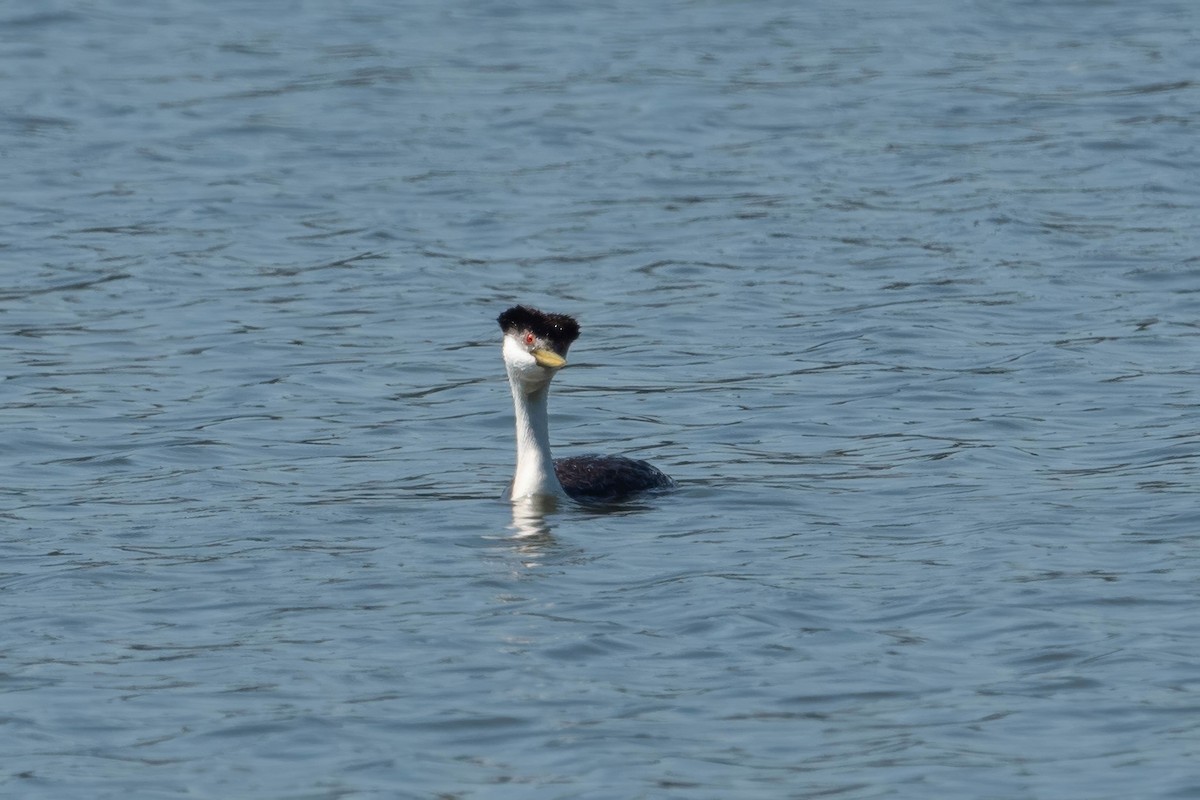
(535, 348)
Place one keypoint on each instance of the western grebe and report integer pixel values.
(535, 348)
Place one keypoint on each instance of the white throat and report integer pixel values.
(530, 386)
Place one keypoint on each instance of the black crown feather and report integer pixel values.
(558, 329)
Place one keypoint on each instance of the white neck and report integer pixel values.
(530, 386)
(535, 466)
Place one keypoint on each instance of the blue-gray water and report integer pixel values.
(905, 296)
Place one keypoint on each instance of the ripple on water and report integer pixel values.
(913, 329)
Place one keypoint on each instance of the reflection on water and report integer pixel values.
(529, 518)
(533, 539)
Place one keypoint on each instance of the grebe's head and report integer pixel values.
(535, 344)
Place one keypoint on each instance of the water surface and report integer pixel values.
(905, 299)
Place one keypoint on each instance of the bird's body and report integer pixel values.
(600, 478)
(535, 346)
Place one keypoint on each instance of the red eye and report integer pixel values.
(529, 338)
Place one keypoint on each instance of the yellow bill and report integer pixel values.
(548, 358)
